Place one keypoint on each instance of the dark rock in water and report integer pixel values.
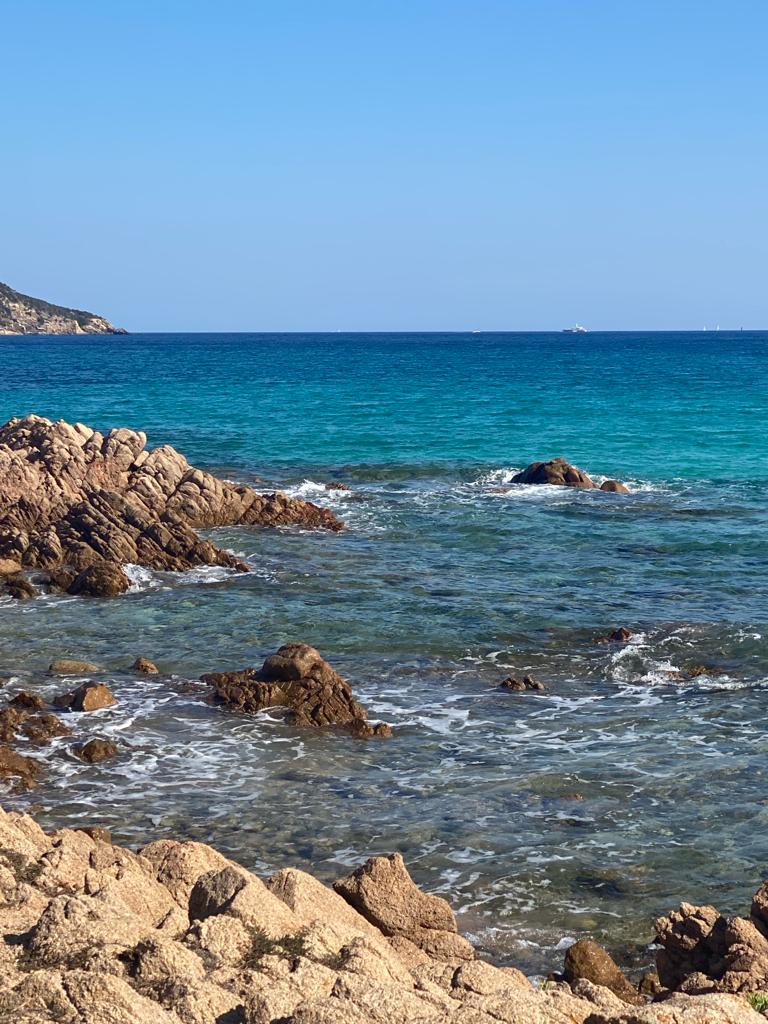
(104, 579)
(11, 720)
(101, 835)
(296, 678)
(145, 666)
(526, 683)
(336, 486)
(95, 751)
(61, 579)
(25, 699)
(42, 729)
(556, 471)
(17, 586)
(88, 697)
(588, 960)
(622, 635)
(649, 984)
(71, 667)
(614, 487)
(71, 498)
(13, 765)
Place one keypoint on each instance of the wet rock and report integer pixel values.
(10, 721)
(614, 487)
(61, 579)
(336, 486)
(104, 579)
(88, 697)
(296, 678)
(556, 471)
(622, 635)
(386, 895)
(588, 960)
(41, 729)
(72, 498)
(95, 751)
(103, 835)
(71, 667)
(145, 666)
(526, 683)
(25, 699)
(17, 586)
(13, 765)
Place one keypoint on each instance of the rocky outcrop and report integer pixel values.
(73, 497)
(563, 474)
(704, 951)
(520, 685)
(22, 314)
(299, 679)
(177, 934)
(588, 960)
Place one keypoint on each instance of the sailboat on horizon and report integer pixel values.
(576, 329)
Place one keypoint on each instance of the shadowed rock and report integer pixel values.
(526, 683)
(95, 751)
(588, 960)
(88, 697)
(299, 679)
(13, 765)
(104, 579)
(71, 496)
(563, 474)
(145, 666)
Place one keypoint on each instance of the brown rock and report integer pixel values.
(103, 835)
(296, 678)
(13, 765)
(588, 960)
(41, 729)
(386, 895)
(693, 942)
(87, 697)
(556, 471)
(614, 486)
(17, 586)
(145, 666)
(71, 498)
(10, 721)
(526, 683)
(95, 751)
(104, 579)
(71, 667)
(25, 699)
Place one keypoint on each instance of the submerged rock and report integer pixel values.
(145, 666)
(42, 729)
(526, 683)
(299, 679)
(71, 667)
(622, 635)
(88, 697)
(614, 486)
(72, 497)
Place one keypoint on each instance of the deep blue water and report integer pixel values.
(447, 579)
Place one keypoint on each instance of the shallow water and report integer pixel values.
(447, 579)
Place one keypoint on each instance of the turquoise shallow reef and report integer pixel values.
(584, 810)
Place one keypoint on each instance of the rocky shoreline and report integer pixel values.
(178, 934)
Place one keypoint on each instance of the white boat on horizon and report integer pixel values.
(576, 329)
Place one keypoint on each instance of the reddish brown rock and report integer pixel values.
(622, 635)
(103, 835)
(95, 751)
(88, 697)
(614, 487)
(588, 960)
(104, 579)
(296, 678)
(25, 699)
(11, 719)
(17, 586)
(42, 729)
(13, 765)
(556, 471)
(73, 497)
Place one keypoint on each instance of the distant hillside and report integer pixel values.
(21, 314)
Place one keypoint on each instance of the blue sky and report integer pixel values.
(387, 165)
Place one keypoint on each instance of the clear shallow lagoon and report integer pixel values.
(447, 579)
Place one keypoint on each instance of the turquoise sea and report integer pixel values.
(585, 810)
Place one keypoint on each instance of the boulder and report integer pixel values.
(13, 765)
(614, 487)
(684, 1009)
(41, 729)
(556, 471)
(296, 678)
(622, 635)
(104, 579)
(95, 751)
(87, 697)
(71, 667)
(692, 941)
(17, 586)
(237, 893)
(586, 959)
(103, 835)
(72, 498)
(145, 666)
(25, 699)
(386, 895)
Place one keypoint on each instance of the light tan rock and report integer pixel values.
(178, 866)
(684, 1009)
(483, 979)
(240, 894)
(71, 667)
